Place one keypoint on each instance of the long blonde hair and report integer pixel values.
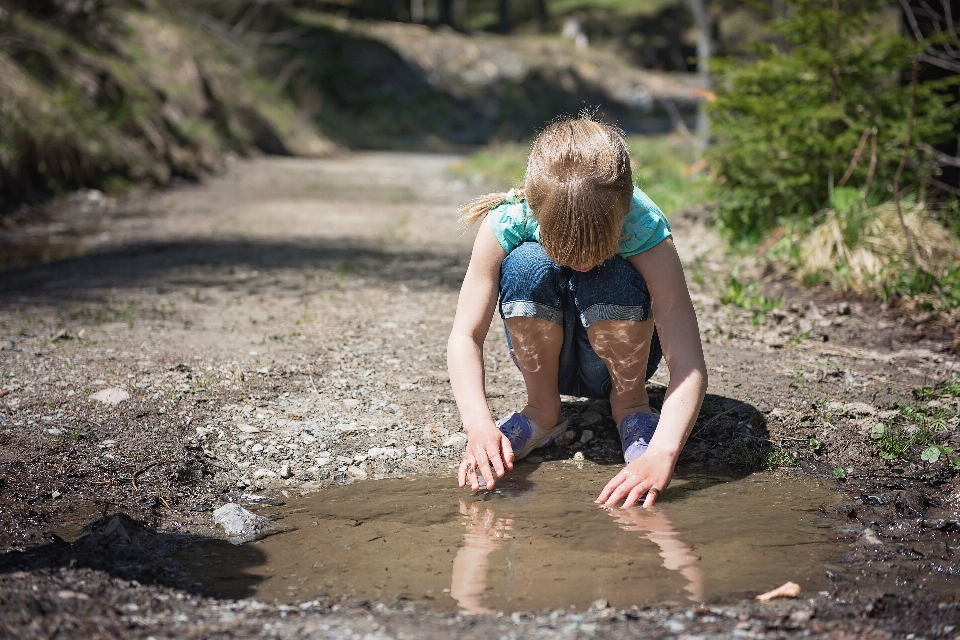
(579, 185)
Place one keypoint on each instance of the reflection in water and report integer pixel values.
(677, 556)
(541, 544)
(485, 533)
(482, 537)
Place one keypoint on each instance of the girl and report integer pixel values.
(580, 260)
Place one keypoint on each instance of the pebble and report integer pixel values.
(456, 440)
(586, 436)
(246, 428)
(285, 471)
(356, 472)
(111, 396)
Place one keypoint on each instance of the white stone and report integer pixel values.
(285, 471)
(356, 472)
(111, 395)
(246, 428)
(456, 440)
(239, 524)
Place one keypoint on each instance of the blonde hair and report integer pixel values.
(579, 185)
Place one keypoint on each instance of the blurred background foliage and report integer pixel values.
(831, 150)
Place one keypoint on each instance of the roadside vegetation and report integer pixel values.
(115, 93)
(664, 166)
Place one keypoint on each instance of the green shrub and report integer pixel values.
(787, 125)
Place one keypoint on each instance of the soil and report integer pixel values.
(281, 329)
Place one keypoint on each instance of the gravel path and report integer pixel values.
(282, 327)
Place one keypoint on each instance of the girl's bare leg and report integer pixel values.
(624, 346)
(536, 346)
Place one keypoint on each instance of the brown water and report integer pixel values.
(536, 542)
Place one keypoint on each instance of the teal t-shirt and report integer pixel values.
(644, 227)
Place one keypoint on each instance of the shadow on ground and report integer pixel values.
(146, 264)
(132, 550)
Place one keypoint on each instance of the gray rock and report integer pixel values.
(285, 472)
(239, 524)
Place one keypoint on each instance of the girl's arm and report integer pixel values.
(676, 323)
(486, 446)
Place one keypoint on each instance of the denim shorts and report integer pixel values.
(534, 286)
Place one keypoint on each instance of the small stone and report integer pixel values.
(565, 438)
(356, 472)
(257, 448)
(263, 473)
(411, 450)
(590, 418)
(285, 472)
(578, 456)
(246, 428)
(586, 436)
(111, 396)
(55, 494)
(456, 440)
(351, 403)
(242, 526)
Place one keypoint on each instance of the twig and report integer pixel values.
(873, 162)
(903, 159)
(943, 185)
(856, 158)
(133, 479)
(941, 157)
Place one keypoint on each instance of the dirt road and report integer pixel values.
(281, 328)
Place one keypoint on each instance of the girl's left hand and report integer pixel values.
(649, 475)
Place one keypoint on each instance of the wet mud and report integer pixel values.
(535, 542)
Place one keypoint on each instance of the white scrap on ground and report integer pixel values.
(111, 395)
(786, 590)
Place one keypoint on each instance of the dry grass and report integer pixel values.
(855, 248)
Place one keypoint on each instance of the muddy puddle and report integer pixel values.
(537, 541)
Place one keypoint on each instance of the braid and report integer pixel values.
(478, 208)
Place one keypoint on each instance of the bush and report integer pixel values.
(830, 98)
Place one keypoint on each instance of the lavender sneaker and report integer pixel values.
(525, 435)
(636, 430)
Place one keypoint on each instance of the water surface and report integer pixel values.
(537, 541)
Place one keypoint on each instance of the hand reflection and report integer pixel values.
(483, 535)
(677, 556)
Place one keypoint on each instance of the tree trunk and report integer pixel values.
(446, 12)
(701, 18)
(540, 10)
(416, 11)
(504, 16)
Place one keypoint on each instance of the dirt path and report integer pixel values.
(282, 327)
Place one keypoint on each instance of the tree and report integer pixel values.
(825, 107)
(540, 12)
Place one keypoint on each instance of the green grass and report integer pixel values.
(747, 296)
(920, 430)
(659, 164)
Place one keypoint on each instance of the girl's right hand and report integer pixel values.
(485, 448)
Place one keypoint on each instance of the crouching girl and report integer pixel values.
(583, 266)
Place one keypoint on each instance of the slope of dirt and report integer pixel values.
(112, 93)
(282, 328)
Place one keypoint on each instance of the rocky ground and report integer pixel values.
(281, 328)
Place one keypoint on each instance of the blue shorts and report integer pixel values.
(534, 286)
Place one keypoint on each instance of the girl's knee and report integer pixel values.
(528, 274)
